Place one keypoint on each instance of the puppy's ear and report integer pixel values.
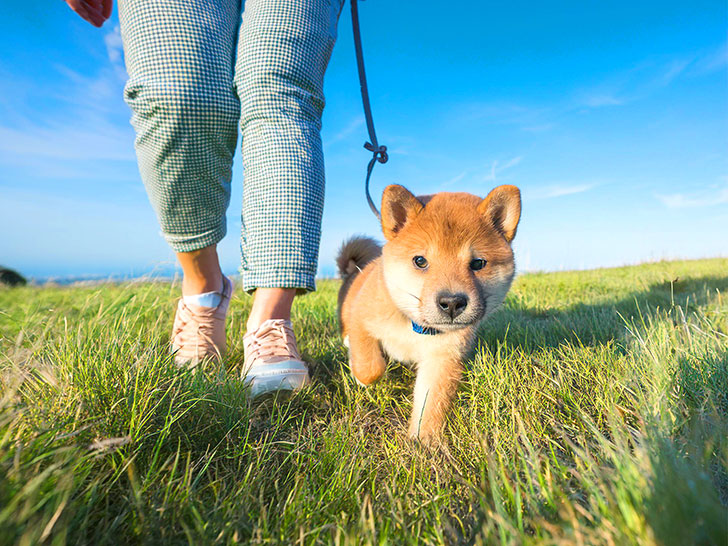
(398, 207)
(502, 208)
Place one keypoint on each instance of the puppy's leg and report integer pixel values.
(435, 388)
(365, 357)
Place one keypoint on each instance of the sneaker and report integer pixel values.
(272, 362)
(199, 332)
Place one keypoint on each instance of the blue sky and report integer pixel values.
(612, 118)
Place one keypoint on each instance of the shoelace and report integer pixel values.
(202, 328)
(274, 339)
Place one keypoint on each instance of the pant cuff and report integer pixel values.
(303, 280)
(188, 243)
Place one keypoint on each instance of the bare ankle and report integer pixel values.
(201, 270)
(270, 303)
(200, 285)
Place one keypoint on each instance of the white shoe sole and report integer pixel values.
(289, 375)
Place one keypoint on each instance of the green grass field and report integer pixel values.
(594, 411)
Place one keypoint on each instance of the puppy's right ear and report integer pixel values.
(398, 207)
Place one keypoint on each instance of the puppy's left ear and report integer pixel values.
(502, 207)
(398, 207)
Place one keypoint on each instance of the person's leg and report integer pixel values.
(283, 51)
(270, 303)
(180, 56)
(201, 271)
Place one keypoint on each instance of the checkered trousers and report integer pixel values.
(197, 68)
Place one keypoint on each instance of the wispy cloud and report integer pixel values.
(346, 131)
(710, 61)
(85, 122)
(454, 180)
(705, 198)
(83, 96)
(60, 141)
(559, 190)
(538, 128)
(497, 169)
(625, 86)
(65, 128)
(599, 99)
(496, 111)
(502, 113)
(670, 71)
(115, 51)
(649, 76)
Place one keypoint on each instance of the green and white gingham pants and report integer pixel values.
(196, 69)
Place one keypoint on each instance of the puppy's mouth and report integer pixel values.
(456, 324)
(448, 326)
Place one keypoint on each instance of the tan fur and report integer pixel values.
(383, 294)
(354, 254)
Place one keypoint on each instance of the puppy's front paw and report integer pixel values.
(365, 357)
(361, 384)
(366, 375)
(424, 435)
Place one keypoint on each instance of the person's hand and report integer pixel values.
(95, 12)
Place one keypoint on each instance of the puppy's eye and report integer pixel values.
(477, 264)
(420, 261)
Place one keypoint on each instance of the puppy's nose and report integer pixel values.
(452, 304)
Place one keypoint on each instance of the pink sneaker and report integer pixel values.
(272, 362)
(199, 332)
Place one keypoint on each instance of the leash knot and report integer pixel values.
(380, 152)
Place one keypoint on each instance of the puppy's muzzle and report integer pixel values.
(452, 305)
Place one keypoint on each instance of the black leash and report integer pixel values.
(379, 152)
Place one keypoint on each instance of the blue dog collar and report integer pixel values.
(424, 330)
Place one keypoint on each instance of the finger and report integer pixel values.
(82, 10)
(101, 7)
(91, 15)
(92, 6)
(93, 18)
(108, 4)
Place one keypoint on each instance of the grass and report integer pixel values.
(594, 411)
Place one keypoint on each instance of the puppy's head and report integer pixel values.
(448, 260)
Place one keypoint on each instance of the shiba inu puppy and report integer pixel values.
(447, 264)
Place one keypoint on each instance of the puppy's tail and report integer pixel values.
(355, 253)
